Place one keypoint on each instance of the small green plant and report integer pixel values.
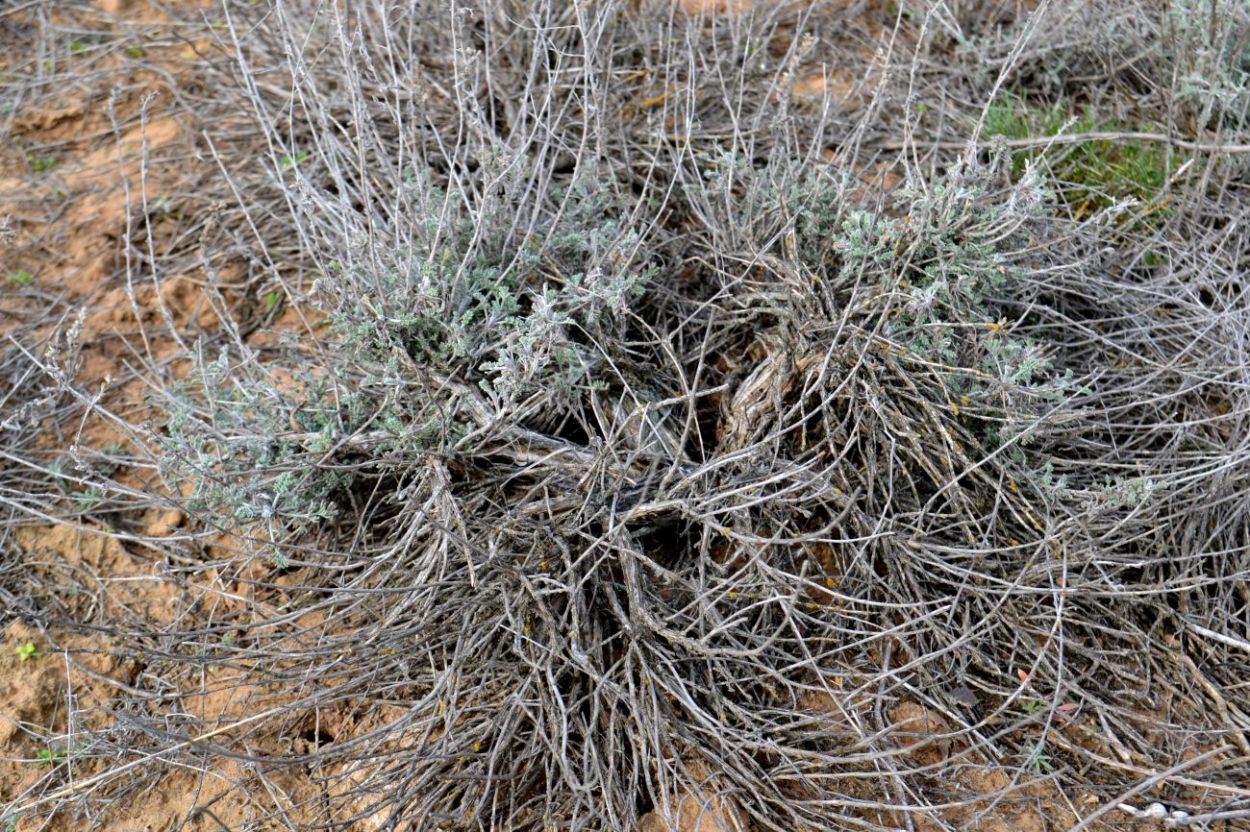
(21, 277)
(82, 44)
(1039, 761)
(89, 498)
(85, 496)
(277, 558)
(272, 299)
(1129, 493)
(1090, 175)
(27, 651)
(42, 164)
(135, 52)
(50, 756)
(293, 160)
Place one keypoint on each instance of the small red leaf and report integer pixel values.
(1024, 677)
(1068, 707)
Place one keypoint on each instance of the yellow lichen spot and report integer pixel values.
(954, 408)
(442, 707)
(1015, 489)
(732, 594)
(1014, 542)
(831, 581)
(477, 747)
(1037, 527)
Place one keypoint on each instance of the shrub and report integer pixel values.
(625, 431)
